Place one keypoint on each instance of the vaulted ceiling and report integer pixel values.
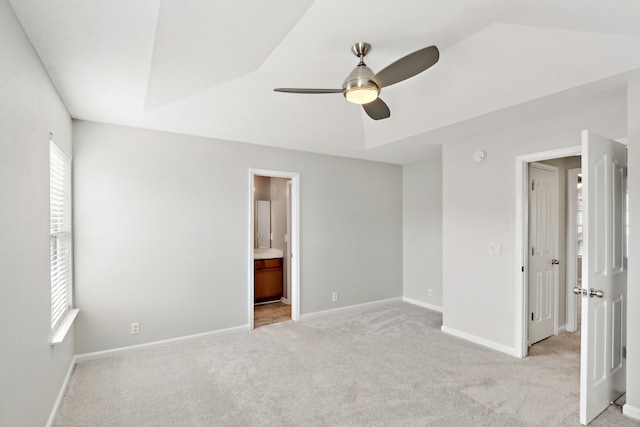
(208, 67)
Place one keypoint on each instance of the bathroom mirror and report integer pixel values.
(263, 224)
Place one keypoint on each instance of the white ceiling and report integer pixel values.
(208, 67)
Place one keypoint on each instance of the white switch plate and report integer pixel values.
(495, 249)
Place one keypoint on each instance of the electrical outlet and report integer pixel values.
(495, 249)
(430, 292)
(135, 328)
(334, 296)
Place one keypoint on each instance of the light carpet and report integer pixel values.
(386, 365)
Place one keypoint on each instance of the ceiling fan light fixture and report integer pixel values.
(358, 87)
(361, 94)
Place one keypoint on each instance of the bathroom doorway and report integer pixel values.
(273, 262)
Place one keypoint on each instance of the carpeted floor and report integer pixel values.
(386, 365)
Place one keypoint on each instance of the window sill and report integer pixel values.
(63, 328)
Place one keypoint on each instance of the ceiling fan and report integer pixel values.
(363, 87)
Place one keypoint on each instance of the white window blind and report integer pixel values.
(60, 233)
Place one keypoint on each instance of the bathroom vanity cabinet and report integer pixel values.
(267, 279)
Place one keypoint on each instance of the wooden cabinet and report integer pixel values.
(267, 279)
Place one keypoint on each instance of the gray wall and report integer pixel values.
(31, 372)
(479, 209)
(161, 232)
(422, 232)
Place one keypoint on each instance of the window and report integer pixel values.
(60, 234)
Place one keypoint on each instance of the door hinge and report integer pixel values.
(532, 251)
(532, 316)
(523, 268)
(533, 185)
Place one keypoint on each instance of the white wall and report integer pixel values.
(31, 372)
(161, 232)
(479, 209)
(632, 406)
(422, 232)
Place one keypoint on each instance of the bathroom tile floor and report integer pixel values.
(265, 314)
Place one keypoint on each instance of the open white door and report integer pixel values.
(543, 253)
(604, 275)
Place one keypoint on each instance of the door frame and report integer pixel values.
(572, 248)
(294, 298)
(522, 239)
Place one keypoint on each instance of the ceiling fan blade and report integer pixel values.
(377, 109)
(408, 66)
(296, 90)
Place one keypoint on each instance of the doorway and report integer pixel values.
(603, 290)
(554, 253)
(286, 262)
(523, 314)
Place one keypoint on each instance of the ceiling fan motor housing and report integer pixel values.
(358, 86)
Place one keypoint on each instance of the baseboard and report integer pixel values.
(631, 411)
(422, 304)
(365, 305)
(481, 341)
(123, 350)
(61, 393)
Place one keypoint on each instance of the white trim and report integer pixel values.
(354, 307)
(571, 262)
(422, 304)
(631, 411)
(154, 344)
(61, 393)
(481, 341)
(294, 298)
(521, 243)
(64, 326)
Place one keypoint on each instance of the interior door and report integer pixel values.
(604, 275)
(543, 251)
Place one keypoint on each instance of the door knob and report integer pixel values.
(555, 261)
(594, 293)
(591, 292)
